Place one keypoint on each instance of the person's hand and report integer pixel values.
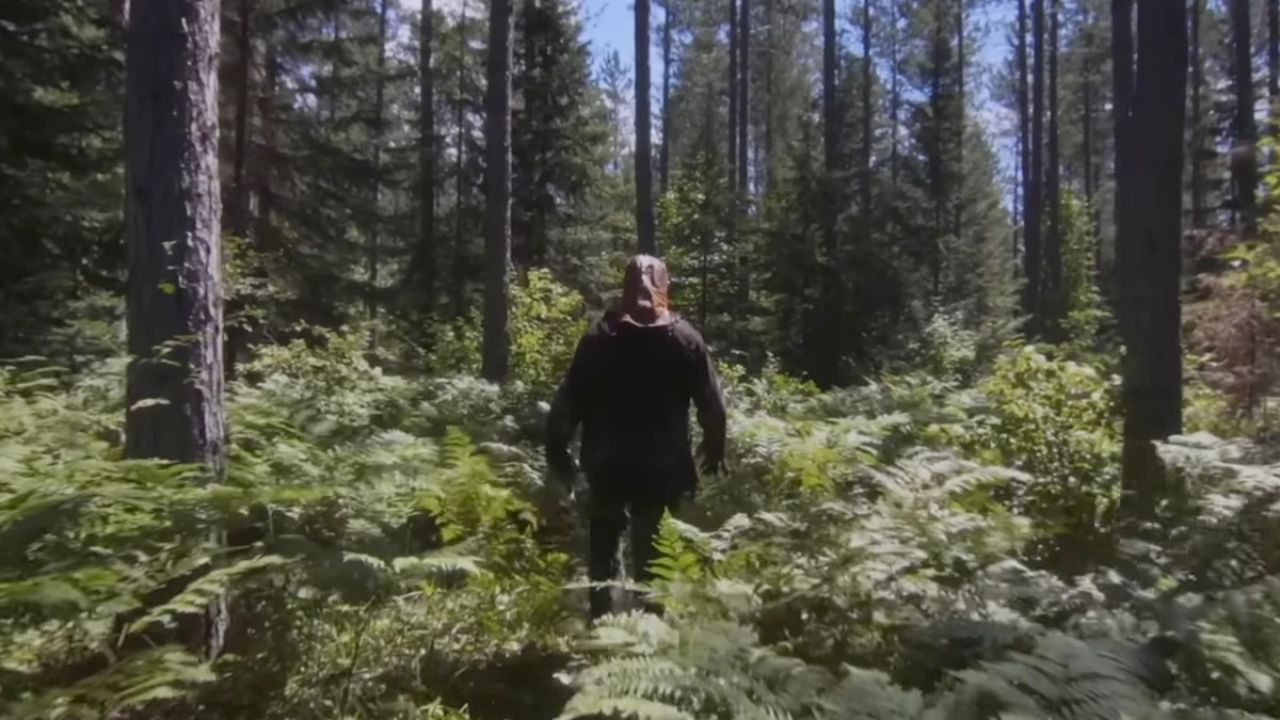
(712, 461)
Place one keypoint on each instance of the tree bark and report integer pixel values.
(173, 211)
(1197, 117)
(497, 236)
(1033, 302)
(244, 67)
(733, 96)
(1244, 168)
(644, 149)
(744, 95)
(664, 153)
(424, 277)
(1152, 259)
(1054, 301)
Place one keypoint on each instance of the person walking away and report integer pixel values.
(632, 380)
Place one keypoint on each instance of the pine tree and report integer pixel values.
(1244, 169)
(497, 237)
(644, 151)
(1149, 255)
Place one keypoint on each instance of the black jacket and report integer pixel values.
(630, 387)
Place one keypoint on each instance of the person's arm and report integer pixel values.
(710, 404)
(565, 416)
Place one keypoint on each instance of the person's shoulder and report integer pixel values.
(687, 334)
(604, 326)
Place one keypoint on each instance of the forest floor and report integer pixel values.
(921, 546)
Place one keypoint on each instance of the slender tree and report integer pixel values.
(263, 234)
(1197, 116)
(497, 237)
(379, 134)
(895, 90)
(734, 100)
(744, 93)
(1086, 108)
(1150, 256)
(1244, 168)
(867, 113)
(1024, 128)
(173, 218)
(243, 71)
(828, 357)
(1053, 304)
(644, 150)
(771, 35)
(459, 178)
(664, 152)
(1033, 299)
(1273, 50)
(961, 120)
(424, 275)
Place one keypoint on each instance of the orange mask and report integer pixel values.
(644, 291)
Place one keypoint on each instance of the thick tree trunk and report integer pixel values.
(644, 148)
(173, 211)
(664, 153)
(1024, 132)
(424, 275)
(244, 68)
(733, 96)
(1054, 301)
(1197, 117)
(1152, 269)
(744, 95)
(497, 222)
(1034, 301)
(1244, 166)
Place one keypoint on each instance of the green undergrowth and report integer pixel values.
(935, 545)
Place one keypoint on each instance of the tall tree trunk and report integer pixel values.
(664, 153)
(459, 184)
(1086, 110)
(644, 149)
(1024, 134)
(375, 223)
(829, 358)
(744, 94)
(424, 275)
(1244, 167)
(1054, 304)
(244, 68)
(173, 216)
(1273, 51)
(961, 119)
(895, 92)
(1197, 117)
(733, 96)
(264, 228)
(1122, 77)
(771, 49)
(867, 112)
(1152, 269)
(1034, 271)
(497, 211)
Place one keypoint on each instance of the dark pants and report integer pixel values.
(611, 503)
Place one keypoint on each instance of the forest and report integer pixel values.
(992, 287)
